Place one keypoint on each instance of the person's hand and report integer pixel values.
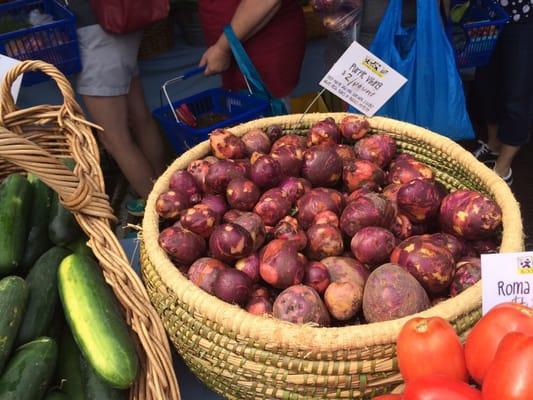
(216, 58)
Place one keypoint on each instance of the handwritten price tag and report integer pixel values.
(507, 277)
(362, 80)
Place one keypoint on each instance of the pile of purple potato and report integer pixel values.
(333, 228)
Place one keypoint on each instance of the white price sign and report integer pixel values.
(507, 277)
(6, 63)
(362, 80)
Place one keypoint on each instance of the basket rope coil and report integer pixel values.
(33, 140)
(242, 356)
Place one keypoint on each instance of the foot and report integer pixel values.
(507, 177)
(136, 207)
(484, 153)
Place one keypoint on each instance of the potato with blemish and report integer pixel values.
(204, 271)
(301, 304)
(432, 265)
(324, 240)
(343, 299)
(470, 215)
(391, 293)
(199, 219)
(242, 194)
(280, 264)
(229, 242)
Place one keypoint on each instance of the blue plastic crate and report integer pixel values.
(238, 107)
(474, 38)
(54, 42)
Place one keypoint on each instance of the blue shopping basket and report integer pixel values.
(474, 37)
(54, 42)
(235, 106)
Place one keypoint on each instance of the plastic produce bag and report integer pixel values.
(433, 96)
(341, 17)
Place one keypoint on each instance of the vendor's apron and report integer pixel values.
(276, 51)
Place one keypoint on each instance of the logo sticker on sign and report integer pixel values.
(362, 80)
(507, 277)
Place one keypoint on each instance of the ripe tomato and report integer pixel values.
(436, 387)
(482, 342)
(509, 375)
(430, 346)
(388, 397)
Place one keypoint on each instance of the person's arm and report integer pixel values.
(249, 18)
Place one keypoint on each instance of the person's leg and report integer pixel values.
(517, 94)
(486, 85)
(492, 137)
(145, 129)
(111, 114)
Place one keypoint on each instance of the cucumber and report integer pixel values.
(69, 367)
(37, 241)
(43, 299)
(13, 298)
(96, 322)
(62, 227)
(15, 203)
(96, 389)
(80, 247)
(28, 373)
(56, 326)
(55, 395)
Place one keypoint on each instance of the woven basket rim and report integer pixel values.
(288, 335)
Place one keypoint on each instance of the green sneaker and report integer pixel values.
(136, 207)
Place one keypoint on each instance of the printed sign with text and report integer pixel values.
(507, 277)
(362, 80)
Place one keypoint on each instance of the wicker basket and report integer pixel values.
(242, 356)
(34, 140)
(158, 38)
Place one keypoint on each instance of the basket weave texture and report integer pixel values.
(242, 356)
(34, 140)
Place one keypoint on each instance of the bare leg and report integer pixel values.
(144, 128)
(111, 114)
(493, 141)
(505, 159)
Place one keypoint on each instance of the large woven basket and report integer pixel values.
(34, 140)
(242, 356)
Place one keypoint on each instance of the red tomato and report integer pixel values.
(483, 340)
(430, 346)
(509, 375)
(439, 388)
(388, 397)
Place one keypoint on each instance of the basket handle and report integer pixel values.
(82, 191)
(7, 103)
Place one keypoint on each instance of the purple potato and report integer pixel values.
(280, 265)
(317, 276)
(256, 140)
(242, 194)
(169, 204)
(182, 245)
(324, 132)
(225, 145)
(265, 171)
(324, 241)
(204, 271)
(301, 304)
(250, 266)
(322, 166)
(255, 227)
(199, 219)
(229, 242)
(233, 286)
(273, 205)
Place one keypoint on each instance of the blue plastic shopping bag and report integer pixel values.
(257, 87)
(433, 95)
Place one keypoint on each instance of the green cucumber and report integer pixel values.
(29, 371)
(69, 367)
(95, 388)
(62, 227)
(13, 298)
(56, 326)
(55, 395)
(42, 282)
(15, 203)
(37, 241)
(96, 322)
(80, 247)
